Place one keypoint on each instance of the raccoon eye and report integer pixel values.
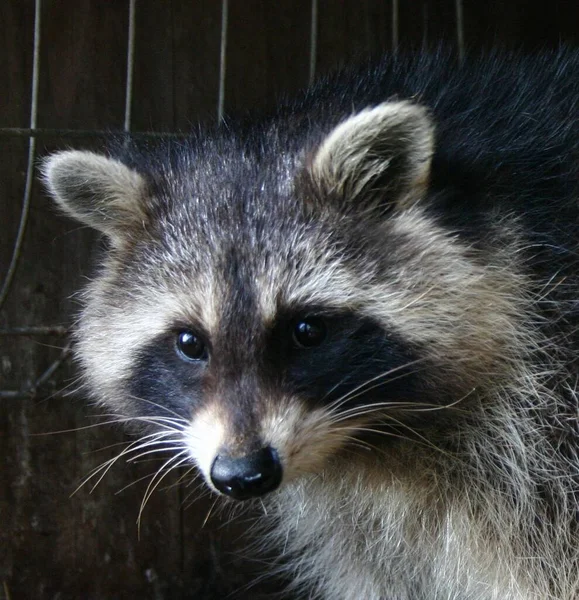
(190, 346)
(309, 332)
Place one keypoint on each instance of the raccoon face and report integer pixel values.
(273, 308)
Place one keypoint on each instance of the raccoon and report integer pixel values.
(360, 309)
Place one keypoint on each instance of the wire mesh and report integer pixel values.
(33, 132)
(222, 59)
(31, 156)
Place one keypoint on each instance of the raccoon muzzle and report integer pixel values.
(247, 476)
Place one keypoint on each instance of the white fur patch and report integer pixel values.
(204, 437)
(303, 437)
(99, 191)
(361, 148)
(359, 533)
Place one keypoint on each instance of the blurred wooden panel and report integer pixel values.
(176, 71)
(17, 33)
(425, 23)
(521, 24)
(83, 64)
(351, 30)
(268, 45)
(38, 521)
(16, 39)
(88, 546)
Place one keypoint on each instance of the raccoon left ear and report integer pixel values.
(379, 155)
(99, 191)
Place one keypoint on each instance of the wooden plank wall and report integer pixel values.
(53, 545)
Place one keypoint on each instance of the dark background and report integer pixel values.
(53, 545)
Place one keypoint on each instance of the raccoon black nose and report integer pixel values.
(249, 476)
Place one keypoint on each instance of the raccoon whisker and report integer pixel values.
(116, 419)
(421, 439)
(164, 422)
(156, 480)
(368, 427)
(209, 512)
(171, 486)
(381, 432)
(151, 459)
(546, 290)
(239, 513)
(199, 491)
(355, 448)
(108, 447)
(334, 388)
(74, 429)
(195, 477)
(126, 487)
(65, 391)
(417, 299)
(361, 444)
(362, 388)
(421, 442)
(133, 446)
(155, 450)
(381, 376)
(167, 420)
(118, 416)
(160, 437)
(386, 373)
(365, 409)
(157, 405)
(174, 420)
(370, 412)
(105, 467)
(142, 442)
(438, 407)
(552, 246)
(183, 477)
(234, 511)
(161, 473)
(350, 396)
(53, 346)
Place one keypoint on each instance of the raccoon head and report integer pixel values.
(266, 304)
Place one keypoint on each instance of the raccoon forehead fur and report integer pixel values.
(423, 218)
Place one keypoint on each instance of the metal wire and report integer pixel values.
(39, 330)
(34, 132)
(313, 41)
(460, 28)
(34, 389)
(222, 59)
(395, 25)
(31, 153)
(72, 133)
(130, 64)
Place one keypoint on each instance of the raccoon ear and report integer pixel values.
(99, 191)
(381, 155)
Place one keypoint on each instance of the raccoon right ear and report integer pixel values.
(99, 191)
(378, 157)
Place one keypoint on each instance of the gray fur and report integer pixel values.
(462, 251)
